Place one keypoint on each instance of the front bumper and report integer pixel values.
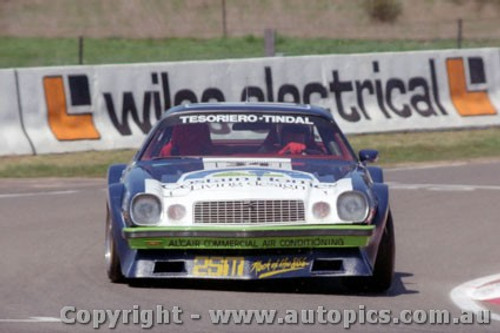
(253, 252)
(249, 237)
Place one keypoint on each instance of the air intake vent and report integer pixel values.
(169, 267)
(327, 265)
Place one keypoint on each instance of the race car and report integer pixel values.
(249, 191)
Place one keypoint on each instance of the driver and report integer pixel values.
(294, 139)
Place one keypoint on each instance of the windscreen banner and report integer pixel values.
(63, 109)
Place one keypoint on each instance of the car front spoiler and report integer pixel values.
(250, 252)
(250, 266)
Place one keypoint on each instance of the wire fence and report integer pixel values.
(340, 19)
(94, 29)
(424, 30)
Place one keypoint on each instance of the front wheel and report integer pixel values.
(113, 266)
(383, 271)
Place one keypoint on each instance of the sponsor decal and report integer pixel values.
(251, 173)
(153, 243)
(210, 179)
(245, 118)
(271, 267)
(248, 243)
(224, 163)
(231, 178)
(234, 267)
(365, 99)
(64, 125)
(420, 97)
(209, 184)
(218, 267)
(247, 174)
(156, 100)
(468, 92)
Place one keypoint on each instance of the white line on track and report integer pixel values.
(466, 295)
(442, 187)
(426, 166)
(32, 320)
(32, 194)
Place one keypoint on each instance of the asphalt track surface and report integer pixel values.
(51, 243)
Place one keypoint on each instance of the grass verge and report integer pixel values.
(31, 51)
(81, 164)
(395, 149)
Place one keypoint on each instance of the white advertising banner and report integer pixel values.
(61, 111)
(114, 106)
(12, 138)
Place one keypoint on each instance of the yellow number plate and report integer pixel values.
(218, 266)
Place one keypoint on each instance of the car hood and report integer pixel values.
(182, 170)
(218, 182)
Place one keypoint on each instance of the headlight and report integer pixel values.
(145, 209)
(321, 210)
(352, 206)
(176, 212)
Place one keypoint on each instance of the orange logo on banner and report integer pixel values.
(63, 125)
(467, 103)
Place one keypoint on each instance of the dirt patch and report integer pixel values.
(422, 19)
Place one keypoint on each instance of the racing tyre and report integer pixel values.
(113, 266)
(383, 272)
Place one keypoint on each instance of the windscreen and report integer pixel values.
(233, 134)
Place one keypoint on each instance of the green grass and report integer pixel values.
(395, 149)
(415, 147)
(82, 164)
(34, 52)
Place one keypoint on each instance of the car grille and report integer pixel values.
(249, 211)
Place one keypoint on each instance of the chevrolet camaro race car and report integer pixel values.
(249, 191)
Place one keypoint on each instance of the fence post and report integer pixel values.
(80, 50)
(269, 42)
(224, 19)
(459, 33)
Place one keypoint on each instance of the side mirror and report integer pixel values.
(368, 155)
